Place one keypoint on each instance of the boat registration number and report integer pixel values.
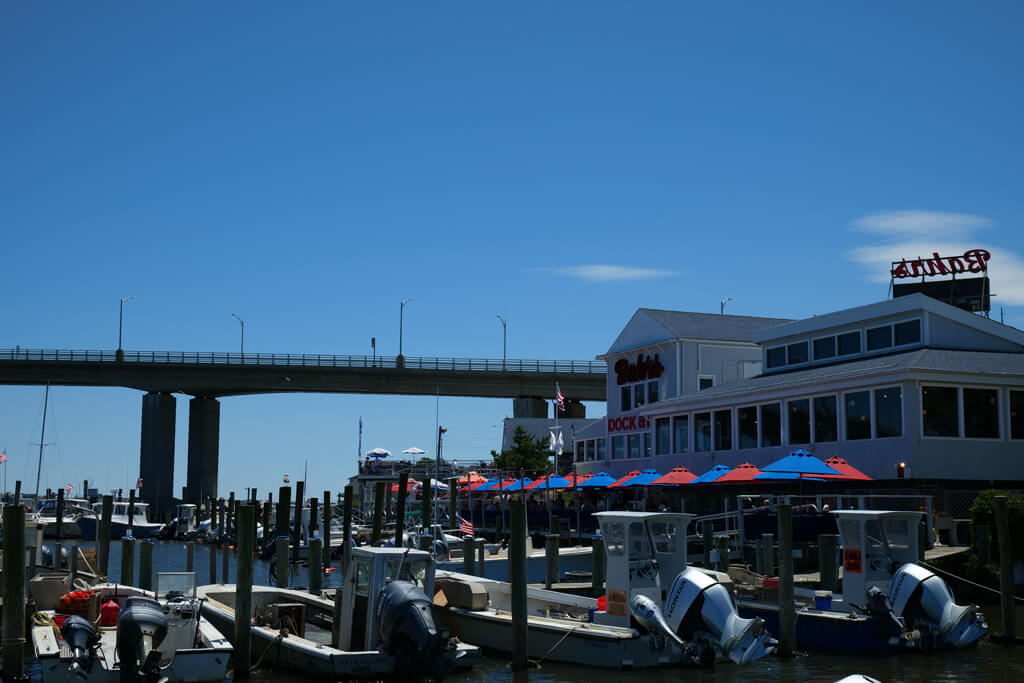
(851, 561)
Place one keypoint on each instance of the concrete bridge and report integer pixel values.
(209, 376)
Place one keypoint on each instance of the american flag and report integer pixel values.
(138, 484)
(3, 456)
(559, 398)
(68, 489)
(465, 526)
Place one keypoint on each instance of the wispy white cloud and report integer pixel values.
(913, 234)
(607, 273)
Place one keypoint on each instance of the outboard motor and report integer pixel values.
(82, 638)
(408, 631)
(141, 627)
(47, 560)
(701, 610)
(924, 602)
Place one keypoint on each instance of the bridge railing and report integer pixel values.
(305, 360)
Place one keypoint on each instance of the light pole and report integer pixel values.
(721, 309)
(401, 314)
(241, 347)
(120, 327)
(504, 340)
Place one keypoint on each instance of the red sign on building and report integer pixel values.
(643, 368)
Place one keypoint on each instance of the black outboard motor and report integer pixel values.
(141, 627)
(408, 630)
(82, 638)
(46, 557)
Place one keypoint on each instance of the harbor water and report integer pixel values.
(987, 662)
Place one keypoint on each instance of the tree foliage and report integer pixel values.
(528, 454)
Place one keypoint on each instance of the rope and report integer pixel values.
(275, 641)
(567, 634)
(967, 581)
(44, 619)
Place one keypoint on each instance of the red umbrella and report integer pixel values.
(745, 472)
(412, 484)
(848, 470)
(675, 476)
(539, 481)
(575, 479)
(619, 482)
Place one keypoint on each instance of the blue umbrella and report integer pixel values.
(642, 479)
(712, 474)
(552, 482)
(489, 486)
(785, 475)
(599, 480)
(519, 484)
(800, 462)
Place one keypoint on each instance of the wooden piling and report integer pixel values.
(243, 591)
(328, 514)
(597, 568)
(284, 569)
(316, 572)
(267, 508)
(103, 536)
(517, 572)
(403, 484)
(427, 495)
(550, 560)
(314, 520)
(60, 517)
(297, 524)
(378, 512)
(13, 649)
(468, 559)
(17, 492)
(481, 551)
(225, 563)
(146, 565)
(190, 557)
(1002, 515)
(828, 561)
(787, 613)
(213, 563)
(722, 546)
(709, 541)
(73, 565)
(131, 511)
(346, 520)
(453, 502)
(128, 561)
(230, 524)
(284, 511)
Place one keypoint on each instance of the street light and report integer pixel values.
(120, 324)
(504, 340)
(401, 313)
(241, 347)
(721, 309)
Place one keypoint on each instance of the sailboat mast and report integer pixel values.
(42, 441)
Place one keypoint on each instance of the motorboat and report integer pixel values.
(655, 610)
(142, 636)
(182, 525)
(387, 629)
(122, 524)
(888, 602)
(47, 514)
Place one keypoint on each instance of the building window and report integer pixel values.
(702, 432)
(663, 430)
(652, 392)
(723, 430)
(849, 343)
(634, 445)
(681, 427)
(908, 332)
(1017, 414)
(601, 449)
(888, 412)
(826, 419)
(776, 358)
(799, 421)
(879, 338)
(626, 396)
(638, 395)
(824, 348)
(647, 444)
(940, 411)
(747, 418)
(981, 414)
(705, 382)
(771, 425)
(591, 448)
(618, 447)
(858, 415)
(796, 353)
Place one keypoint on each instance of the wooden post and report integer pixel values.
(243, 591)
(230, 526)
(828, 561)
(453, 503)
(60, 522)
(190, 557)
(131, 511)
(128, 561)
(103, 536)
(468, 563)
(316, 572)
(1002, 515)
(17, 492)
(14, 593)
(284, 511)
(403, 484)
(722, 546)
(314, 522)
(213, 562)
(346, 520)
(709, 541)
(768, 553)
(481, 551)
(326, 535)
(517, 571)
(74, 564)
(787, 613)
(146, 565)
(284, 568)
(597, 568)
(378, 513)
(427, 501)
(551, 560)
(267, 507)
(297, 524)
(226, 566)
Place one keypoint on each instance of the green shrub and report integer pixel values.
(981, 513)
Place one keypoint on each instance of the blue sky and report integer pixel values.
(307, 166)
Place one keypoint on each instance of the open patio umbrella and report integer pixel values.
(599, 480)
(745, 472)
(643, 479)
(414, 451)
(848, 470)
(492, 485)
(576, 479)
(802, 463)
(471, 478)
(435, 485)
(711, 475)
(482, 485)
(549, 481)
(675, 477)
(792, 476)
(622, 480)
(517, 484)
(410, 486)
(378, 452)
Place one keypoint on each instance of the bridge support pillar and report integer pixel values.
(529, 407)
(203, 448)
(156, 453)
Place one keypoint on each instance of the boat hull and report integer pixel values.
(118, 529)
(68, 529)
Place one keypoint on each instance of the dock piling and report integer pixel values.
(283, 569)
(468, 559)
(517, 572)
(1002, 515)
(828, 561)
(213, 563)
(146, 565)
(190, 557)
(481, 551)
(346, 520)
(378, 513)
(597, 568)
(328, 512)
(226, 563)
(403, 484)
(243, 590)
(128, 561)
(103, 536)
(14, 593)
(297, 524)
(787, 613)
(316, 572)
(551, 542)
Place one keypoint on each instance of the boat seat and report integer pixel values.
(463, 594)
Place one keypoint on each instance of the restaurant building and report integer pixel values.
(907, 388)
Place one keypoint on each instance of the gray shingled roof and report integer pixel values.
(710, 326)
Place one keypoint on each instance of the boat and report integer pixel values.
(46, 513)
(182, 525)
(888, 602)
(120, 521)
(655, 611)
(147, 636)
(387, 631)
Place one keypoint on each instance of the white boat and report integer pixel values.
(47, 514)
(158, 635)
(120, 522)
(292, 629)
(686, 615)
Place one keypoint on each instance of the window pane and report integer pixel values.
(981, 414)
(702, 432)
(771, 425)
(888, 412)
(1017, 414)
(849, 343)
(618, 446)
(940, 411)
(879, 338)
(747, 418)
(626, 403)
(705, 383)
(800, 421)
(638, 395)
(591, 446)
(908, 332)
(652, 392)
(663, 430)
(826, 419)
(858, 415)
(797, 353)
(776, 358)
(824, 348)
(647, 444)
(601, 449)
(723, 430)
(634, 445)
(682, 434)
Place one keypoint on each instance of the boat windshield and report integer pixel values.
(414, 571)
